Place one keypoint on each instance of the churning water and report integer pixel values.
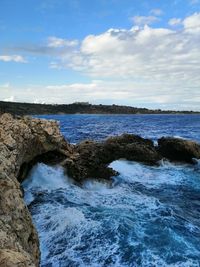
(148, 216)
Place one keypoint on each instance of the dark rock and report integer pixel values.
(91, 159)
(178, 149)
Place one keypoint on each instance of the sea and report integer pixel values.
(148, 216)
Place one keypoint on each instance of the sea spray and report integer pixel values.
(149, 216)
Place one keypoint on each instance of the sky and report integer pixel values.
(142, 53)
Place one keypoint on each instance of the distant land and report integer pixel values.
(78, 108)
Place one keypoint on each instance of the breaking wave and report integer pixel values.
(148, 216)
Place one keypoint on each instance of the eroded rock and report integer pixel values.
(91, 158)
(21, 141)
(24, 141)
(178, 149)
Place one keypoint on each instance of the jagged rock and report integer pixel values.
(178, 149)
(91, 158)
(21, 141)
(24, 141)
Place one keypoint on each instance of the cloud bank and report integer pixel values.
(143, 65)
(145, 53)
(107, 92)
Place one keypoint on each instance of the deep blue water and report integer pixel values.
(79, 127)
(148, 216)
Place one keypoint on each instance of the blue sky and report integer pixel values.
(131, 52)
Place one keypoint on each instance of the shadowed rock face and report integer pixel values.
(178, 149)
(21, 140)
(92, 158)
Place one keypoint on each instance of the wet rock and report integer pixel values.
(178, 149)
(132, 147)
(91, 159)
(21, 141)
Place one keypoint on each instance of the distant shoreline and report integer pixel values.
(80, 108)
(115, 114)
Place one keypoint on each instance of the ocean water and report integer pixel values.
(147, 216)
(97, 127)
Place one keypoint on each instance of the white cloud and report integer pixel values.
(38, 101)
(175, 21)
(145, 54)
(14, 58)
(149, 58)
(192, 23)
(10, 99)
(141, 65)
(118, 92)
(5, 85)
(59, 42)
(144, 20)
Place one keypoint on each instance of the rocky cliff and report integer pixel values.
(24, 141)
(21, 141)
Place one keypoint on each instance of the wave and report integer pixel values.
(148, 216)
(43, 177)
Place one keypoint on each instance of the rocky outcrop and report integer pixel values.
(91, 158)
(24, 141)
(178, 149)
(21, 141)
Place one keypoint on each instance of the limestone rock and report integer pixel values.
(21, 141)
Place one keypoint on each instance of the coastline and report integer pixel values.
(24, 139)
(80, 108)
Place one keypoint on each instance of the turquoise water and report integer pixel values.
(148, 216)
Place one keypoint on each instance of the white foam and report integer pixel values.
(43, 177)
(73, 223)
(180, 137)
(165, 163)
(46, 177)
(93, 185)
(149, 176)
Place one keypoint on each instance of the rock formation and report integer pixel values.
(21, 140)
(91, 158)
(178, 149)
(24, 141)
